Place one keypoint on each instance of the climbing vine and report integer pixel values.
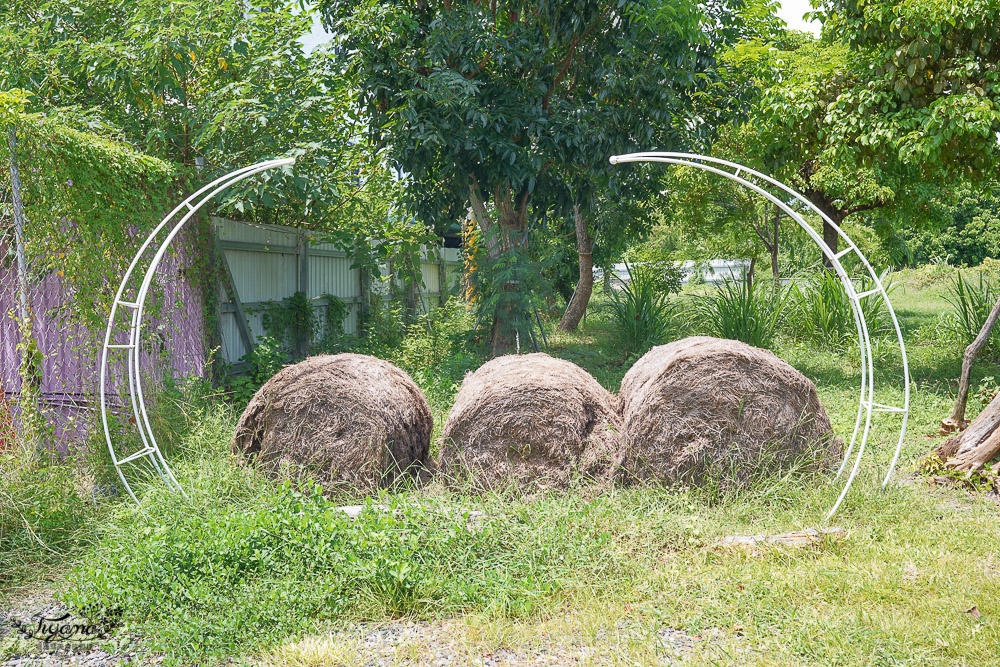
(295, 328)
(298, 327)
(89, 200)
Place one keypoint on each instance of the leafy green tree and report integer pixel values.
(706, 217)
(927, 92)
(221, 84)
(167, 74)
(512, 108)
(927, 79)
(205, 88)
(972, 232)
(799, 132)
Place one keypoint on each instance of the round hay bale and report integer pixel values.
(705, 409)
(531, 421)
(349, 421)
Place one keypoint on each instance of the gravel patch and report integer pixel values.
(38, 631)
(445, 643)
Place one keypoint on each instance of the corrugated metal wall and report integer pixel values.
(270, 263)
(68, 384)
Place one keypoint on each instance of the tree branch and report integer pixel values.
(486, 224)
(567, 60)
(863, 207)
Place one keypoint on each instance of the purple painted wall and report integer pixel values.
(72, 353)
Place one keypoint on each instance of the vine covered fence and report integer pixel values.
(264, 264)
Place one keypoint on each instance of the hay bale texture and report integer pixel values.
(351, 422)
(534, 422)
(705, 409)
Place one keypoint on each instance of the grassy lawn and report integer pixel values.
(242, 569)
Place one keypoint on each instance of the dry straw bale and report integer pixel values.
(705, 409)
(351, 422)
(531, 421)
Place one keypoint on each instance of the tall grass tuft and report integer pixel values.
(640, 310)
(823, 313)
(972, 303)
(823, 310)
(739, 311)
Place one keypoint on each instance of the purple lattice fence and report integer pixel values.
(175, 340)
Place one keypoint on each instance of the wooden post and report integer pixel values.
(302, 261)
(22, 260)
(302, 280)
(442, 277)
(365, 287)
(234, 296)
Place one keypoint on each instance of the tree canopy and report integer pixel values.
(928, 76)
(213, 83)
(513, 108)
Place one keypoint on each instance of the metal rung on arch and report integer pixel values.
(144, 452)
(144, 278)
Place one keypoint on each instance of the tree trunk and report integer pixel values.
(500, 237)
(956, 421)
(577, 305)
(774, 248)
(975, 447)
(488, 228)
(767, 232)
(830, 236)
(748, 276)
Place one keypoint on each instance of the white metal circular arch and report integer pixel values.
(866, 401)
(149, 450)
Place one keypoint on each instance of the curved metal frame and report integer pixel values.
(866, 401)
(137, 400)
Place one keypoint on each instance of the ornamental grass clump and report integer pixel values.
(640, 310)
(741, 310)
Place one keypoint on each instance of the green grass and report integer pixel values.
(245, 569)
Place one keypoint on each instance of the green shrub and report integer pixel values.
(822, 310)
(665, 275)
(640, 310)
(439, 350)
(738, 311)
(211, 578)
(292, 322)
(973, 303)
(437, 337)
(384, 326)
(332, 339)
(262, 362)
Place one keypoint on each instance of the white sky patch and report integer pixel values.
(317, 37)
(792, 10)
